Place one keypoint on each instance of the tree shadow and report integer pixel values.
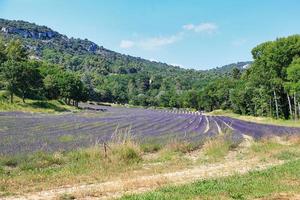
(46, 105)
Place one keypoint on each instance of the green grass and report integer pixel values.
(287, 155)
(50, 106)
(41, 170)
(266, 146)
(216, 149)
(66, 138)
(264, 120)
(257, 184)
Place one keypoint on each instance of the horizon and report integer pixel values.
(199, 40)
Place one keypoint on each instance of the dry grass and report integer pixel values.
(125, 159)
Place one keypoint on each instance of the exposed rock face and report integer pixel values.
(29, 34)
(93, 48)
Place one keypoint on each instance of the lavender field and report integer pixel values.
(26, 132)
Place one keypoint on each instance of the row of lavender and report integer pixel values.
(25, 132)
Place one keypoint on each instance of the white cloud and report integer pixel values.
(151, 43)
(203, 27)
(160, 41)
(126, 44)
(188, 27)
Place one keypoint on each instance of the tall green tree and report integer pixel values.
(21, 78)
(293, 85)
(15, 51)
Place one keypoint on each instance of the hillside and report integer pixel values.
(78, 54)
(108, 75)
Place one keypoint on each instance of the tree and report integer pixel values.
(21, 77)
(15, 51)
(236, 73)
(71, 87)
(29, 80)
(293, 84)
(3, 56)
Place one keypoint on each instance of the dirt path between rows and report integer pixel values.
(117, 188)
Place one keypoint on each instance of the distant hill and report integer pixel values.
(109, 76)
(227, 69)
(76, 54)
(84, 55)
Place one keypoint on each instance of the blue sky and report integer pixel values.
(196, 34)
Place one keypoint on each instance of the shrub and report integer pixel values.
(217, 148)
(67, 197)
(127, 152)
(151, 147)
(42, 160)
(182, 146)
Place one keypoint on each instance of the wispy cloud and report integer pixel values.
(160, 41)
(151, 43)
(155, 42)
(203, 27)
(126, 44)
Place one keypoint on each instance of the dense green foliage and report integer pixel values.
(270, 87)
(267, 87)
(34, 79)
(110, 76)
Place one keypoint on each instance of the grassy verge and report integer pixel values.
(264, 120)
(257, 184)
(37, 106)
(42, 171)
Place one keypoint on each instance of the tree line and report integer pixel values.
(269, 87)
(34, 79)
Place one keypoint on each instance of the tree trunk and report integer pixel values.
(276, 104)
(295, 105)
(299, 108)
(270, 108)
(11, 97)
(23, 97)
(290, 106)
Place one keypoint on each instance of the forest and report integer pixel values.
(39, 63)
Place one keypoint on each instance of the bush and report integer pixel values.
(151, 147)
(127, 152)
(42, 160)
(182, 146)
(217, 148)
(66, 197)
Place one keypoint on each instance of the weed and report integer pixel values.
(67, 197)
(151, 147)
(217, 148)
(287, 155)
(66, 138)
(265, 146)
